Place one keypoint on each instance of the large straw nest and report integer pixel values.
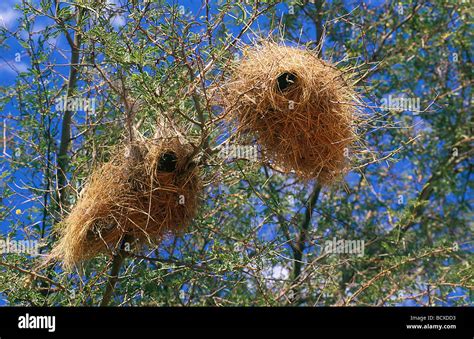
(146, 190)
(300, 109)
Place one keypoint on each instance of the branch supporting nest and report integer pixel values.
(117, 262)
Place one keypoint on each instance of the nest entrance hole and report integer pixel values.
(286, 81)
(167, 162)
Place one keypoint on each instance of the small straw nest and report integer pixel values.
(145, 191)
(300, 108)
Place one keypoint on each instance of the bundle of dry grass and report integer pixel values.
(144, 191)
(300, 108)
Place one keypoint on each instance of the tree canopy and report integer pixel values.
(260, 237)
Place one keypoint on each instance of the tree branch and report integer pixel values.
(65, 142)
(117, 262)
